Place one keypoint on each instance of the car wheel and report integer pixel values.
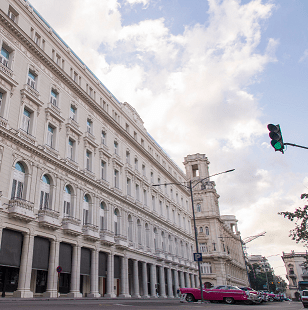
(190, 298)
(229, 300)
(305, 306)
(271, 299)
(247, 302)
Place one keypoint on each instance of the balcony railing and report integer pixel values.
(3, 122)
(6, 70)
(26, 136)
(21, 209)
(32, 91)
(49, 218)
(71, 226)
(90, 231)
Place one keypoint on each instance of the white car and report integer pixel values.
(305, 298)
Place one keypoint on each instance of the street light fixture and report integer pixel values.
(189, 186)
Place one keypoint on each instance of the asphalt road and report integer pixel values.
(100, 304)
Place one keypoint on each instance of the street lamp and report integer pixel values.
(191, 187)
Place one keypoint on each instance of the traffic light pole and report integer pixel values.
(292, 144)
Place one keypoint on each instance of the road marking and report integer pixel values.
(124, 305)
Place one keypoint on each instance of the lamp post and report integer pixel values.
(190, 186)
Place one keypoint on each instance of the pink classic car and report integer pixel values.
(227, 293)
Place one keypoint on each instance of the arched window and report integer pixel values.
(67, 201)
(86, 202)
(139, 231)
(198, 207)
(130, 228)
(116, 222)
(102, 215)
(207, 231)
(45, 200)
(201, 229)
(18, 181)
(147, 235)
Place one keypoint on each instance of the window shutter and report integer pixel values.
(13, 189)
(46, 205)
(102, 222)
(41, 200)
(68, 207)
(65, 208)
(19, 189)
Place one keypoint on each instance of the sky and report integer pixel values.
(207, 77)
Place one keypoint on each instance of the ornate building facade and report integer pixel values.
(76, 169)
(297, 273)
(218, 236)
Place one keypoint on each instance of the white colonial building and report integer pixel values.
(218, 235)
(76, 174)
(297, 273)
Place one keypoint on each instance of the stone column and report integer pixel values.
(75, 276)
(145, 280)
(136, 280)
(182, 279)
(176, 282)
(124, 277)
(153, 281)
(162, 282)
(192, 280)
(52, 280)
(25, 269)
(94, 274)
(110, 276)
(169, 281)
(187, 279)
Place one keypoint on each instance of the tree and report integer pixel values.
(300, 216)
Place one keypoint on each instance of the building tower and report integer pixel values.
(218, 235)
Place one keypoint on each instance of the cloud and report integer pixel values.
(192, 91)
(304, 57)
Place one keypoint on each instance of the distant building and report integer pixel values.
(218, 235)
(261, 261)
(297, 273)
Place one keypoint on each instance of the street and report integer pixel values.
(141, 304)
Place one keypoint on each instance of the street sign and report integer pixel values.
(59, 269)
(198, 257)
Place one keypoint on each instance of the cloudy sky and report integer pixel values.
(207, 77)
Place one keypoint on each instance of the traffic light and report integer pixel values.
(276, 136)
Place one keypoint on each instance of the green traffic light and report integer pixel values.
(276, 145)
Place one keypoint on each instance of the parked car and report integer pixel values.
(227, 293)
(304, 298)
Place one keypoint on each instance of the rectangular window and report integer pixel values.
(103, 138)
(1, 98)
(12, 16)
(129, 191)
(143, 170)
(135, 135)
(88, 160)
(50, 136)
(137, 192)
(17, 189)
(153, 203)
(103, 170)
(152, 177)
(127, 128)
(89, 126)
(136, 163)
(73, 113)
(101, 223)
(161, 207)
(116, 178)
(142, 142)
(85, 216)
(145, 197)
(70, 149)
(31, 80)
(167, 212)
(37, 39)
(127, 157)
(4, 57)
(26, 121)
(67, 208)
(75, 77)
(116, 151)
(53, 97)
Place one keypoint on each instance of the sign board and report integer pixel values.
(198, 257)
(59, 269)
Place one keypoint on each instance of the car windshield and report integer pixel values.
(233, 288)
(226, 287)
